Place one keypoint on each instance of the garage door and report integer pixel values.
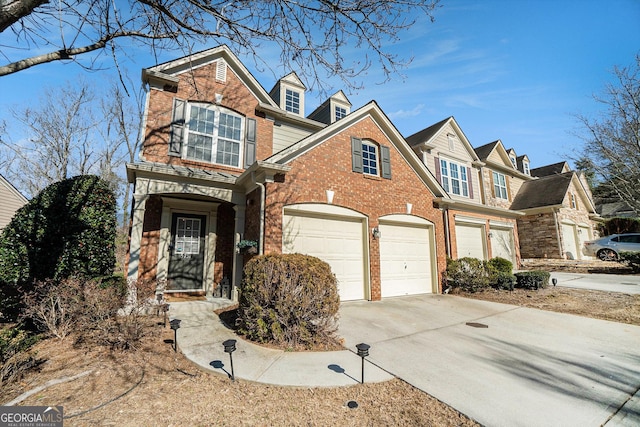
(470, 241)
(405, 259)
(502, 244)
(338, 241)
(584, 234)
(569, 241)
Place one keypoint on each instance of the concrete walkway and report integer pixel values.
(499, 364)
(624, 283)
(201, 335)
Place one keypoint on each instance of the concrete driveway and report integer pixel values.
(504, 365)
(625, 283)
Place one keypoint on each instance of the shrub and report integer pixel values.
(467, 274)
(498, 264)
(534, 279)
(501, 273)
(67, 230)
(15, 357)
(290, 300)
(632, 259)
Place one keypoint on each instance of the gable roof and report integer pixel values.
(373, 111)
(554, 169)
(549, 191)
(167, 72)
(425, 136)
(13, 190)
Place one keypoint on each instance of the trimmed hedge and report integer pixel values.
(467, 274)
(290, 300)
(535, 279)
(67, 230)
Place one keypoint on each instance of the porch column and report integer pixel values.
(237, 258)
(139, 203)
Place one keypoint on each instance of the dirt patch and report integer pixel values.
(155, 386)
(617, 307)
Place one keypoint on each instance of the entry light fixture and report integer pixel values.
(230, 347)
(363, 351)
(376, 232)
(490, 234)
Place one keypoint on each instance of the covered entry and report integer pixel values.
(406, 255)
(335, 235)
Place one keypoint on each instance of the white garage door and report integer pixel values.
(338, 241)
(405, 260)
(502, 244)
(569, 240)
(584, 234)
(470, 241)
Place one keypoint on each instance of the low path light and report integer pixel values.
(175, 325)
(230, 347)
(363, 351)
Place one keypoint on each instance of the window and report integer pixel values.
(513, 161)
(187, 236)
(525, 167)
(500, 186)
(340, 112)
(454, 178)
(292, 101)
(574, 203)
(369, 158)
(213, 135)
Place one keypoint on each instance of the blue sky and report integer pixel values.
(512, 70)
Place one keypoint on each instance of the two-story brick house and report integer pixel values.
(225, 161)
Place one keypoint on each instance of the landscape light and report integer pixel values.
(175, 325)
(363, 351)
(230, 347)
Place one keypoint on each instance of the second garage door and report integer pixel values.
(336, 240)
(502, 244)
(405, 259)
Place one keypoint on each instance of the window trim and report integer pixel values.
(499, 187)
(217, 110)
(294, 94)
(376, 149)
(447, 180)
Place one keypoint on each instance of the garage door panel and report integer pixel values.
(569, 239)
(405, 260)
(337, 241)
(470, 241)
(502, 244)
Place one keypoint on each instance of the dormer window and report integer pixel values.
(340, 112)
(513, 161)
(525, 167)
(292, 101)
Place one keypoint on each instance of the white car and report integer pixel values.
(608, 248)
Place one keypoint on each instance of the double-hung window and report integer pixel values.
(369, 158)
(292, 101)
(214, 135)
(454, 178)
(340, 112)
(500, 186)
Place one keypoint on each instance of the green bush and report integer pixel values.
(67, 230)
(467, 274)
(501, 273)
(632, 259)
(501, 265)
(289, 300)
(534, 279)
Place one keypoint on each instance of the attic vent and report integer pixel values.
(221, 71)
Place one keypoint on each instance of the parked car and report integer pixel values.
(608, 248)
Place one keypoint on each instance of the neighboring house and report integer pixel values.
(478, 220)
(559, 213)
(225, 161)
(12, 200)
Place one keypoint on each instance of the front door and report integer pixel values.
(186, 252)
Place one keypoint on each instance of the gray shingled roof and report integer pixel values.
(553, 169)
(425, 134)
(484, 150)
(546, 191)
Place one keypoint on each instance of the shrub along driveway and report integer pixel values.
(503, 365)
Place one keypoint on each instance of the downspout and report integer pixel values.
(447, 232)
(555, 220)
(262, 203)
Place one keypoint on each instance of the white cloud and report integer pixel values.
(401, 114)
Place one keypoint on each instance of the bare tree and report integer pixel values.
(67, 134)
(612, 141)
(311, 35)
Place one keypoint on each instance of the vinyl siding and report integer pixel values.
(285, 135)
(10, 204)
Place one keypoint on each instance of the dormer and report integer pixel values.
(332, 110)
(288, 93)
(513, 157)
(524, 165)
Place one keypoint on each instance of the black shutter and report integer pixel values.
(356, 155)
(386, 161)
(250, 143)
(177, 127)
